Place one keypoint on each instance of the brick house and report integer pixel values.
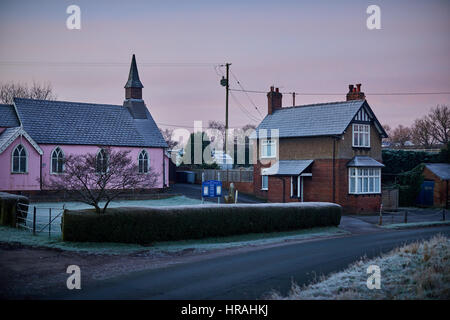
(321, 152)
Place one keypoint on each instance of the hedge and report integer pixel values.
(147, 225)
(8, 208)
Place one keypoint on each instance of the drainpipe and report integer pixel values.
(446, 199)
(164, 167)
(334, 173)
(40, 174)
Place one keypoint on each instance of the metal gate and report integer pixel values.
(39, 219)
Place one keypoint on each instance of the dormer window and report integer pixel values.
(361, 135)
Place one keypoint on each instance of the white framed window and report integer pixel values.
(102, 161)
(143, 162)
(361, 135)
(364, 180)
(19, 159)
(57, 165)
(268, 148)
(295, 187)
(264, 182)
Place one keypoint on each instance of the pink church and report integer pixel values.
(36, 135)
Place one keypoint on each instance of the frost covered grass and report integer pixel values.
(416, 224)
(42, 212)
(420, 270)
(11, 235)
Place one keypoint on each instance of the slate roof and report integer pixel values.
(8, 117)
(287, 167)
(60, 122)
(364, 161)
(11, 134)
(323, 119)
(442, 170)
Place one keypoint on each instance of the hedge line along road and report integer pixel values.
(252, 274)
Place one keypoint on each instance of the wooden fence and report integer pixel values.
(389, 199)
(232, 175)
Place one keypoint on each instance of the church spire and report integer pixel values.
(133, 87)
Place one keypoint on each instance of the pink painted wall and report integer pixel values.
(11, 182)
(155, 155)
(20, 181)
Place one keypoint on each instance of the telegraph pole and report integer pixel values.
(226, 83)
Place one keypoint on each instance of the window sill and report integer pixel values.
(361, 147)
(268, 157)
(365, 194)
(262, 189)
(19, 172)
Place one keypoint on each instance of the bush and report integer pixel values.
(147, 225)
(8, 208)
(409, 184)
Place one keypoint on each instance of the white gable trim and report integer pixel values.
(19, 131)
(362, 115)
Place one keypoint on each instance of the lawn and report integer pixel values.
(42, 208)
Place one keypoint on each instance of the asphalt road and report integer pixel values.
(252, 274)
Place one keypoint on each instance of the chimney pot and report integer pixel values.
(355, 92)
(274, 99)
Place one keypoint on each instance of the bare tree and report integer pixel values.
(11, 90)
(213, 124)
(422, 133)
(400, 135)
(92, 179)
(168, 136)
(440, 123)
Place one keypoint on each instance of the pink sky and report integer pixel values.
(302, 46)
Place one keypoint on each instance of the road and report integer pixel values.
(252, 274)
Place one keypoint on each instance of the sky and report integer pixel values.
(315, 47)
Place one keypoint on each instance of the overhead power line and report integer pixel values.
(341, 93)
(186, 126)
(105, 64)
(246, 93)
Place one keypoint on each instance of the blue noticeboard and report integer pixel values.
(211, 189)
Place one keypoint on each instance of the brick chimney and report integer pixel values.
(273, 100)
(354, 93)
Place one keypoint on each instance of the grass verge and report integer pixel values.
(420, 270)
(11, 235)
(416, 224)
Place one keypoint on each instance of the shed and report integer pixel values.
(436, 180)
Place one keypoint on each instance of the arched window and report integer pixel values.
(102, 161)
(19, 159)
(57, 161)
(143, 162)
